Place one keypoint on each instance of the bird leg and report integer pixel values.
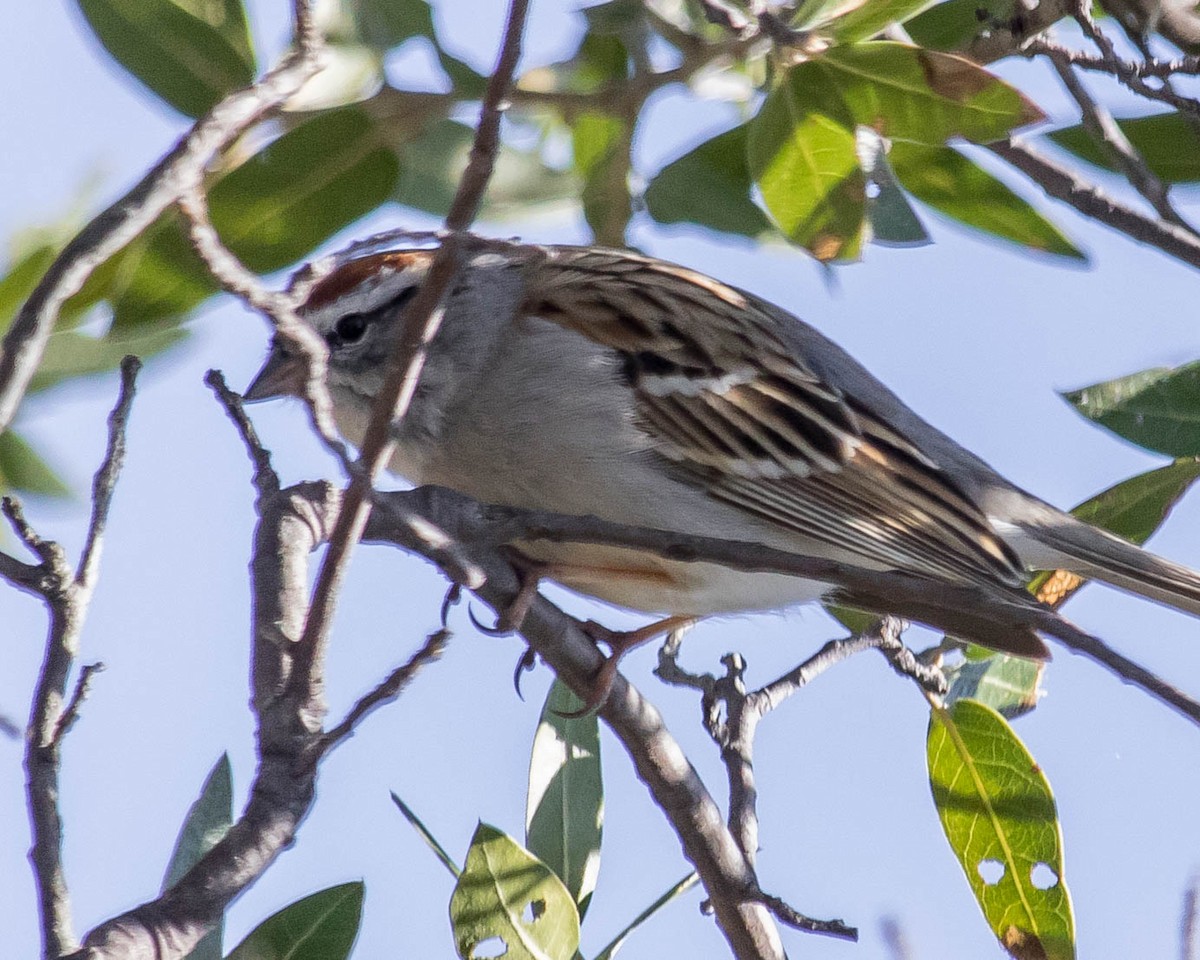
(619, 643)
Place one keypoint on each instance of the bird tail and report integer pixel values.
(1098, 555)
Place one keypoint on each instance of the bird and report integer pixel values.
(584, 380)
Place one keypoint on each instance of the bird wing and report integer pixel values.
(727, 398)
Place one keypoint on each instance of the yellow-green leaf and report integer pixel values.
(1158, 409)
(510, 903)
(1000, 818)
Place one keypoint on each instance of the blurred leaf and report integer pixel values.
(435, 160)
(856, 621)
(384, 24)
(804, 162)
(873, 16)
(207, 821)
(954, 24)
(564, 813)
(507, 894)
(676, 891)
(709, 186)
(1009, 685)
(1157, 409)
(956, 186)
(893, 220)
(22, 277)
(1000, 818)
(70, 354)
(228, 18)
(818, 13)
(425, 834)
(906, 93)
(602, 163)
(1167, 142)
(23, 471)
(322, 926)
(181, 57)
(274, 209)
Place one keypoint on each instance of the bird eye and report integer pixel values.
(350, 328)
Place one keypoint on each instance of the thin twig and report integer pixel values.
(266, 480)
(1189, 65)
(26, 339)
(83, 686)
(388, 689)
(408, 354)
(105, 480)
(791, 917)
(1066, 185)
(1111, 140)
(1188, 920)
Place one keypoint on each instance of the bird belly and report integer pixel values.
(651, 584)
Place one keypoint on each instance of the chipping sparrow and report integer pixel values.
(590, 381)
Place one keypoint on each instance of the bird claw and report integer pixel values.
(527, 662)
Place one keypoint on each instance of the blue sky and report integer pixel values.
(974, 336)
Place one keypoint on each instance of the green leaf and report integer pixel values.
(873, 16)
(601, 162)
(70, 354)
(322, 926)
(805, 163)
(1167, 142)
(999, 816)
(22, 470)
(228, 18)
(303, 188)
(676, 891)
(959, 188)
(22, 277)
(954, 24)
(507, 894)
(819, 13)
(426, 835)
(709, 186)
(1135, 508)
(893, 220)
(207, 821)
(1009, 685)
(384, 24)
(179, 56)
(906, 93)
(564, 813)
(1158, 409)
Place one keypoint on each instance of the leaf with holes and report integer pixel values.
(999, 816)
(959, 188)
(564, 813)
(322, 926)
(207, 821)
(506, 894)
(802, 154)
(709, 186)
(1168, 143)
(1157, 409)
(180, 56)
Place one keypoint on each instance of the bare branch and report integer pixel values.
(1188, 920)
(105, 480)
(389, 688)
(25, 341)
(83, 685)
(1137, 68)
(266, 480)
(1066, 185)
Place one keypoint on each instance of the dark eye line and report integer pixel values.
(350, 327)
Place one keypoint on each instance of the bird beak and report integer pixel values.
(280, 376)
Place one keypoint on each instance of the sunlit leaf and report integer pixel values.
(207, 821)
(1157, 409)
(806, 165)
(709, 186)
(999, 816)
(870, 18)
(1135, 508)
(1167, 142)
(23, 471)
(322, 926)
(512, 903)
(181, 57)
(1009, 685)
(564, 814)
(961, 189)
